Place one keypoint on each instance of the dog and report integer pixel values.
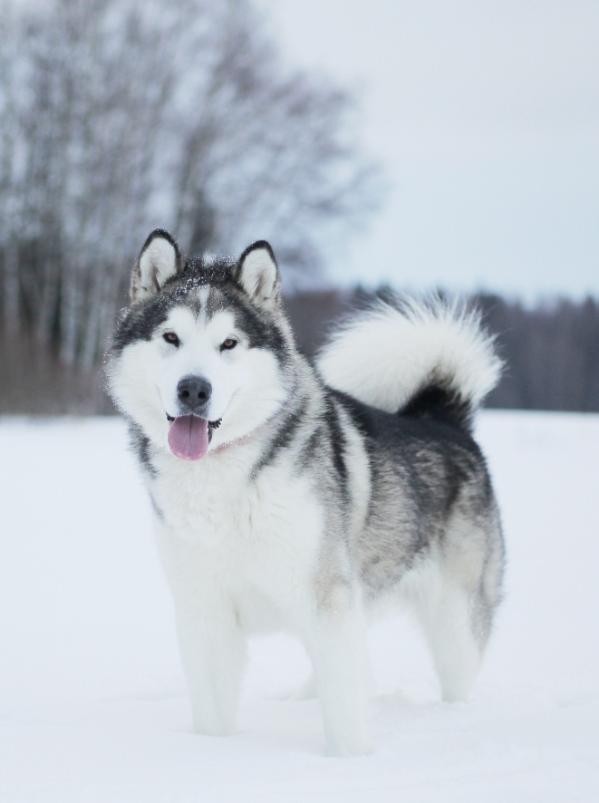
(298, 496)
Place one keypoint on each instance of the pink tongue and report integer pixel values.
(188, 437)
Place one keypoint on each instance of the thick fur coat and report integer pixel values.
(302, 497)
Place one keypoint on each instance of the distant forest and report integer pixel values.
(551, 352)
(551, 349)
(93, 155)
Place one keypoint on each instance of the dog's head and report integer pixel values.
(201, 356)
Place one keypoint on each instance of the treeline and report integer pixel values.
(119, 116)
(551, 352)
(550, 349)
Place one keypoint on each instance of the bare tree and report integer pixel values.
(121, 115)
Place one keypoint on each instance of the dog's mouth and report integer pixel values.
(189, 436)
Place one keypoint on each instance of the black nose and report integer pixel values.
(194, 394)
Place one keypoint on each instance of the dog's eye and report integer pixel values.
(171, 337)
(228, 344)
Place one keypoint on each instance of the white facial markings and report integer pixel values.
(199, 354)
(247, 386)
(202, 295)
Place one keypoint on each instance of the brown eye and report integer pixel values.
(171, 337)
(228, 344)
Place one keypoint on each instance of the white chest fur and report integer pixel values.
(255, 541)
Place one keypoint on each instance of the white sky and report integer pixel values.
(485, 116)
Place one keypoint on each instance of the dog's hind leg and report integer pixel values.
(457, 611)
(456, 652)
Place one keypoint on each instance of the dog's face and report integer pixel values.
(199, 359)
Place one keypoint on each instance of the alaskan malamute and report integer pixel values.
(294, 496)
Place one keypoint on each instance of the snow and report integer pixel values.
(92, 702)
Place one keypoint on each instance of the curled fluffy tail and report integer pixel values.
(420, 359)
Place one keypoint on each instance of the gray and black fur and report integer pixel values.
(402, 488)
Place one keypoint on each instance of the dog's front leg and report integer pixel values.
(213, 652)
(338, 650)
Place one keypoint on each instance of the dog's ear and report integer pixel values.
(158, 260)
(258, 274)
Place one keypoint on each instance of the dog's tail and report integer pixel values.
(422, 359)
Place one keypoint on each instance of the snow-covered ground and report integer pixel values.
(92, 703)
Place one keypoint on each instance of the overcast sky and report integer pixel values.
(485, 116)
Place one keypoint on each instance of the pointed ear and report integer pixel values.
(158, 260)
(258, 274)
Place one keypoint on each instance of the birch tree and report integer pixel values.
(118, 116)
